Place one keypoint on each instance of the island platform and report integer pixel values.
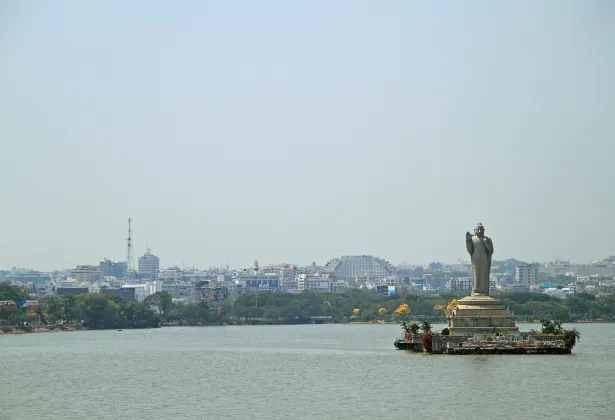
(481, 324)
(482, 343)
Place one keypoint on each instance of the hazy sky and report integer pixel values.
(293, 131)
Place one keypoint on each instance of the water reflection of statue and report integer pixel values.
(480, 248)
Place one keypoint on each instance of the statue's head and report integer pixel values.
(479, 230)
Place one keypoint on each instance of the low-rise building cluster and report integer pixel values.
(216, 285)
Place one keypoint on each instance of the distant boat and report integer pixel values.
(119, 330)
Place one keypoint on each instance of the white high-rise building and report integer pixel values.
(149, 265)
(527, 275)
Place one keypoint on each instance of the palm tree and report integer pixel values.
(547, 326)
(426, 326)
(557, 328)
(414, 328)
(552, 327)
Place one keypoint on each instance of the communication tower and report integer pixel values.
(129, 264)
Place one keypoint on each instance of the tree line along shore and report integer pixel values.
(98, 311)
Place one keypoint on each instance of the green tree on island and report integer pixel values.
(555, 328)
(552, 327)
(426, 326)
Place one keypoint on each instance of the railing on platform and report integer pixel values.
(507, 344)
(410, 338)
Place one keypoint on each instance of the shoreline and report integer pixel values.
(73, 328)
(40, 329)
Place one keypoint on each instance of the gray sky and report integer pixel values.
(297, 131)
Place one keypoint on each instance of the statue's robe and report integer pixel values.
(481, 250)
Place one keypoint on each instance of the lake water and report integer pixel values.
(287, 372)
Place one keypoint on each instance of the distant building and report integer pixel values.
(339, 286)
(143, 290)
(123, 292)
(172, 275)
(259, 282)
(609, 260)
(527, 275)
(67, 291)
(559, 293)
(505, 281)
(286, 272)
(555, 268)
(391, 281)
(518, 288)
(39, 290)
(361, 266)
(149, 265)
(600, 270)
(87, 274)
(435, 266)
(27, 276)
(435, 282)
(115, 269)
(387, 290)
(289, 288)
(315, 283)
(211, 291)
(179, 290)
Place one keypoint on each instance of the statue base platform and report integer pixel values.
(482, 314)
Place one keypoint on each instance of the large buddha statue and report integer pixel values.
(480, 247)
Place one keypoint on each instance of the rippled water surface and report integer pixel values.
(283, 372)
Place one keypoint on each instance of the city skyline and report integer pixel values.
(302, 261)
(190, 266)
(387, 129)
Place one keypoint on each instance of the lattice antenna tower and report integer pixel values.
(129, 265)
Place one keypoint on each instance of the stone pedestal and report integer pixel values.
(482, 314)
